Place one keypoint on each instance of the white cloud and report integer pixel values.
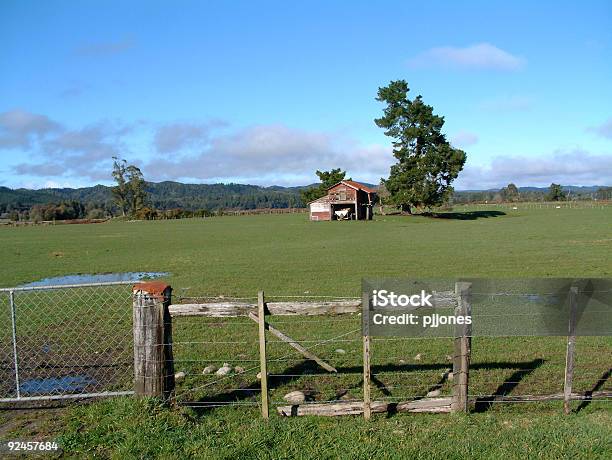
(481, 56)
(564, 166)
(604, 130)
(268, 154)
(19, 128)
(464, 139)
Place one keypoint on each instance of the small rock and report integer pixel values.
(179, 376)
(417, 357)
(239, 370)
(433, 394)
(402, 361)
(259, 376)
(295, 397)
(225, 370)
(449, 358)
(209, 369)
(450, 376)
(340, 351)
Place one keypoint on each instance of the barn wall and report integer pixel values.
(335, 192)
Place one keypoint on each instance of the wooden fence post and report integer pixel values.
(261, 313)
(462, 349)
(367, 376)
(152, 325)
(367, 403)
(571, 345)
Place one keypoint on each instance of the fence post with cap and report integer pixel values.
(152, 325)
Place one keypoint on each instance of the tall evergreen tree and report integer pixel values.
(427, 163)
(327, 178)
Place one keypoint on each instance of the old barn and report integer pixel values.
(346, 200)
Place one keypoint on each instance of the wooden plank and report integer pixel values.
(571, 345)
(367, 376)
(296, 345)
(263, 364)
(433, 405)
(550, 397)
(298, 308)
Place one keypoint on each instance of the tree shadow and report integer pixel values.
(468, 215)
(589, 394)
(485, 403)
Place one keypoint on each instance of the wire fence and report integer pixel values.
(218, 363)
(61, 342)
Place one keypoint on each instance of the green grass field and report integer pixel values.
(288, 255)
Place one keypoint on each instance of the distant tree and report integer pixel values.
(121, 190)
(327, 178)
(510, 192)
(555, 193)
(129, 194)
(427, 163)
(604, 193)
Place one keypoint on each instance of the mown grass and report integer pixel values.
(287, 255)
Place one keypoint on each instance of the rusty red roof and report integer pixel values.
(355, 185)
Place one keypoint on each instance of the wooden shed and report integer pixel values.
(346, 200)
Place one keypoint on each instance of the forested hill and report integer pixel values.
(163, 195)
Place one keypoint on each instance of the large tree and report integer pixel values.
(427, 163)
(556, 193)
(327, 178)
(129, 193)
(510, 192)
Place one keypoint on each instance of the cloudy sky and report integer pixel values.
(268, 92)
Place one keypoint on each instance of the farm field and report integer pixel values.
(288, 255)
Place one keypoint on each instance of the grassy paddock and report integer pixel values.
(287, 255)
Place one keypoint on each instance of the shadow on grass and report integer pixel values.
(468, 215)
(306, 368)
(485, 403)
(589, 394)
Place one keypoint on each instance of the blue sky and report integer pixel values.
(268, 92)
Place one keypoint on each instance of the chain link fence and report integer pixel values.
(63, 342)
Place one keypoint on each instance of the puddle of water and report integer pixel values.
(95, 278)
(65, 384)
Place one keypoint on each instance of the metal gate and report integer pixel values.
(66, 342)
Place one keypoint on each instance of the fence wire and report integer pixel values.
(503, 369)
(65, 341)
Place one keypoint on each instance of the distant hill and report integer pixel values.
(164, 195)
(171, 195)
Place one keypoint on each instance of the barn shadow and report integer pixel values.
(305, 368)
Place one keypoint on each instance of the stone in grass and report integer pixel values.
(417, 357)
(179, 376)
(450, 377)
(239, 370)
(225, 370)
(340, 351)
(259, 376)
(449, 358)
(209, 369)
(433, 394)
(295, 397)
